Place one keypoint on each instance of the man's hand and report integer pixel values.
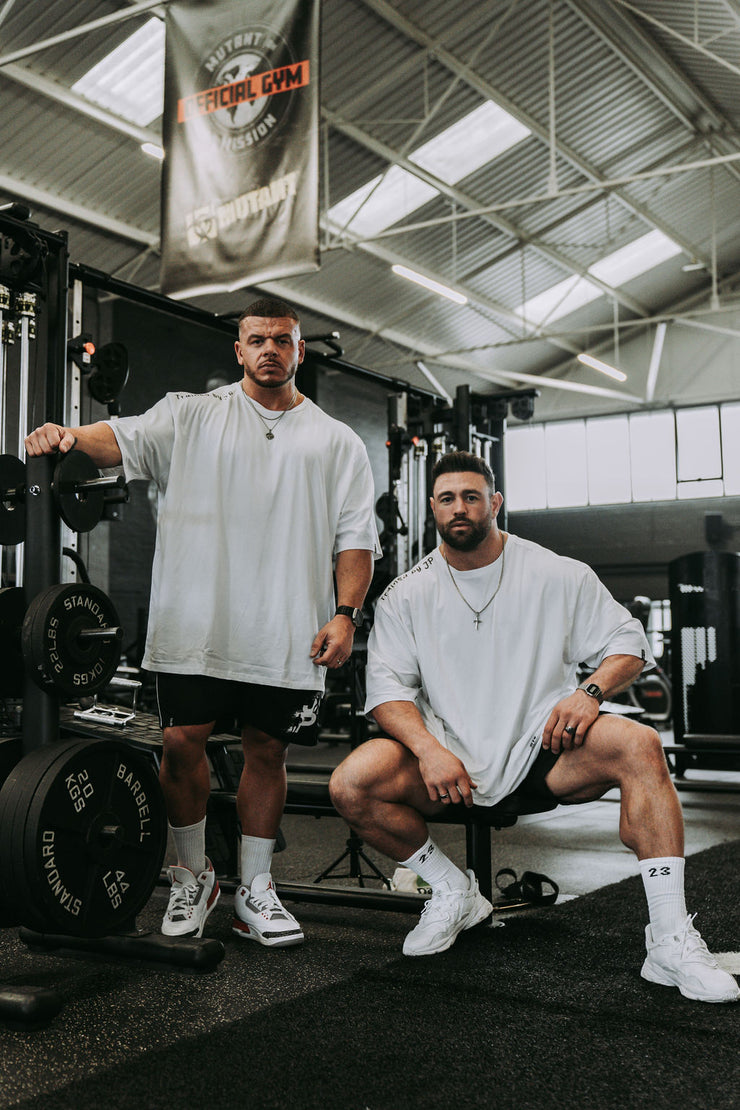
(445, 776)
(569, 722)
(48, 439)
(332, 645)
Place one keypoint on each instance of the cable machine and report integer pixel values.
(420, 430)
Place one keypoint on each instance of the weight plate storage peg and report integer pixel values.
(83, 831)
(71, 639)
(12, 501)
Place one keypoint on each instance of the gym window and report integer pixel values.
(608, 460)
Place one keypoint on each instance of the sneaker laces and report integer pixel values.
(182, 898)
(440, 905)
(266, 901)
(694, 946)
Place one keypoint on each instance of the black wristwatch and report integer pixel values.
(355, 615)
(593, 691)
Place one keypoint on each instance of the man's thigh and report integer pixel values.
(387, 771)
(585, 773)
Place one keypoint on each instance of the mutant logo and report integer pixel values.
(246, 84)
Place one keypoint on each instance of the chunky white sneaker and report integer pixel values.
(684, 961)
(191, 900)
(446, 914)
(259, 915)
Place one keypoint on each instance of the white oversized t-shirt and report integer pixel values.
(486, 694)
(246, 530)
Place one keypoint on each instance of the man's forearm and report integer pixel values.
(96, 440)
(403, 721)
(354, 573)
(616, 673)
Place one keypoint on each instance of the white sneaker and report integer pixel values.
(684, 961)
(259, 915)
(446, 914)
(191, 900)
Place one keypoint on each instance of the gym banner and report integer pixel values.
(240, 177)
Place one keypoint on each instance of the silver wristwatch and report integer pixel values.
(593, 691)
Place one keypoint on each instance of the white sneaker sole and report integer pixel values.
(248, 932)
(655, 975)
(482, 910)
(194, 933)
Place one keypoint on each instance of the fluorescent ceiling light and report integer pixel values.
(130, 80)
(470, 143)
(153, 150)
(429, 283)
(614, 269)
(602, 367)
(634, 259)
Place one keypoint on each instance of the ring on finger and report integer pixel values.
(570, 729)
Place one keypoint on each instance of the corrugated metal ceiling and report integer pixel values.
(638, 87)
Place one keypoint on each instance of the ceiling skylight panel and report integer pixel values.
(130, 80)
(476, 139)
(381, 202)
(559, 300)
(634, 259)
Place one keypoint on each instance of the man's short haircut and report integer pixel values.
(457, 462)
(267, 307)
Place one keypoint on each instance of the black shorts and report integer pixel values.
(288, 715)
(534, 785)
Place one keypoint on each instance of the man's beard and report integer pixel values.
(468, 540)
(271, 384)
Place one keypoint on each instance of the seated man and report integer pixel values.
(472, 676)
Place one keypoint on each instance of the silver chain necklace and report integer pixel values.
(477, 612)
(270, 423)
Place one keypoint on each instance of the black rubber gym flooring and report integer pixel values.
(547, 1011)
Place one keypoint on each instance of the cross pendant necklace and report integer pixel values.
(477, 612)
(270, 423)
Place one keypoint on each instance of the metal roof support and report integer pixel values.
(83, 29)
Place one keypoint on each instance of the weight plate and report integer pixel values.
(55, 648)
(12, 508)
(109, 373)
(80, 509)
(85, 838)
(14, 801)
(12, 671)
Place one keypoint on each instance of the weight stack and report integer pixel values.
(705, 617)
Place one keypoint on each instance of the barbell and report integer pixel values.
(77, 487)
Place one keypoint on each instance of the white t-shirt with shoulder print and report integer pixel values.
(486, 694)
(246, 531)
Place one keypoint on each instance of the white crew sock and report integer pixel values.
(663, 879)
(432, 865)
(256, 853)
(190, 845)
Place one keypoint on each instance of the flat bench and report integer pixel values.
(308, 795)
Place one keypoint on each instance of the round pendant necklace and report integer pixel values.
(270, 423)
(477, 612)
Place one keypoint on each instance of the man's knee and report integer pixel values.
(638, 748)
(263, 752)
(356, 778)
(183, 747)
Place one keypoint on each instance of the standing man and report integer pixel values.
(472, 676)
(258, 491)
